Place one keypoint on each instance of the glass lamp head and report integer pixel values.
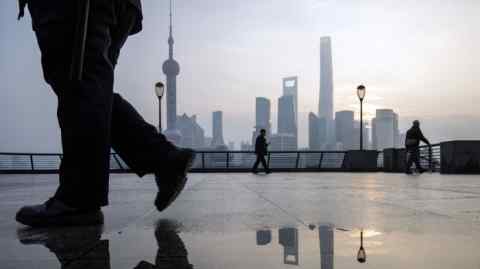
(159, 89)
(361, 91)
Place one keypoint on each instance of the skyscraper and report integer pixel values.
(290, 88)
(217, 126)
(385, 133)
(344, 129)
(283, 142)
(325, 109)
(171, 69)
(313, 132)
(262, 117)
(288, 238)
(286, 117)
(325, 233)
(356, 135)
(193, 135)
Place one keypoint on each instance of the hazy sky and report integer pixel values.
(418, 57)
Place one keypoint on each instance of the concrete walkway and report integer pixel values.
(245, 221)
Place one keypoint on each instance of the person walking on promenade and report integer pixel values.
(261, 148)
(92, 118)
(412, 142)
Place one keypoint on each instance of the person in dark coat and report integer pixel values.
(412, 142)
(92, 117)
(261, 148)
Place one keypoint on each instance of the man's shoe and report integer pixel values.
(408, 172)
(172, 182)
(55, 213)
(268, 172)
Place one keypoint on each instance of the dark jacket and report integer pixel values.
(136, 3)
(261, 145)
(414, 136)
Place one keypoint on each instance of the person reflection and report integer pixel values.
(288, 238)
(74, 247)
(326, 238)
(171, 253)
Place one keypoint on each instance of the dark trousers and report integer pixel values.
(91, 116)
(260, 159)
(413, 156)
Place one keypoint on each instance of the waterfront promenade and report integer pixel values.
(285, 220)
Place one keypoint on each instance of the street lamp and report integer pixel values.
(159, 91)
(361, 94)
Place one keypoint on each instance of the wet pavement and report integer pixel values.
(298, 220)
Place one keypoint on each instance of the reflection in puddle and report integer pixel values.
(288, 238)
(361, 255)
(168, 245)
(73, 247)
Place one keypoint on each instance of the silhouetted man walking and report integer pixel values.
(261, 147)
(412, 142)
(92, 117)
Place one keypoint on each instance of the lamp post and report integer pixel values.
(361, 94)
(159, 91)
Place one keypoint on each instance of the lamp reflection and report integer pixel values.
(361, 255)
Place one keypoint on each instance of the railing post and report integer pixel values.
(320, 161)
(298, 160)
(228, 159)
(117, 161)
(31, 162)
(430, 162)
(203, 160)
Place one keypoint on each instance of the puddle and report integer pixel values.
(316, 246)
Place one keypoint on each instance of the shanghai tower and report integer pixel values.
(171, 69)
(325, 109)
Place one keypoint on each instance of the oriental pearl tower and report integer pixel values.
(171, 69)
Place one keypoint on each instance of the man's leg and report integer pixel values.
(136, 141)
(84, 111)
(265, 165)
(409, 161)
(84, 114)
(416, 160)
(255, 165)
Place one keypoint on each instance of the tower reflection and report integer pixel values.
(325, 233)
(288, 238)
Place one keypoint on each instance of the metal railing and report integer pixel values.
(218, 161)
(430, 157)
(206, 161)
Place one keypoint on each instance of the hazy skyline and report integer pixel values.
(420, 59)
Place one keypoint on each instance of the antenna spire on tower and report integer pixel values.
(171, 17)
(170, 38)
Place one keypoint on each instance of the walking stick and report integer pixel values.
(80, 38)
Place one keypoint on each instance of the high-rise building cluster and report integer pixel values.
(286, 137)
(328, 130)
(343, 131)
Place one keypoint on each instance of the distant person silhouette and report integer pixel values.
(92, 117)
(412, 142)
(261, 148)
